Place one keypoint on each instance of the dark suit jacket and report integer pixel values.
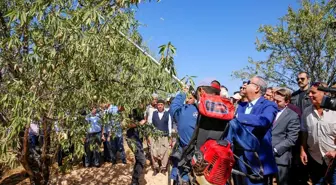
(305, 102)
(259, 122)
(285, 132)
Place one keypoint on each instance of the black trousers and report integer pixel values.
(63, 153)
(298, 173)
(316, 170)
(135, 145)
(108, 153)
(282, 175)
(92, 154)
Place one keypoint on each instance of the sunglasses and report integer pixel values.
(249, 82)
(300, 79)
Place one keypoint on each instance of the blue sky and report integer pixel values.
(214, 37)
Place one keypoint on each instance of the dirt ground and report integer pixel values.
(107, 174)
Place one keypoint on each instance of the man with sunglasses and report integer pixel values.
(257, 116)
(300, 98)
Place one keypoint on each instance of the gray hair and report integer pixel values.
(262, 84)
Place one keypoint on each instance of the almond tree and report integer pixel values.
(58, 57)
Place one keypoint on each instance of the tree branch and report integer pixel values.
(25, 152)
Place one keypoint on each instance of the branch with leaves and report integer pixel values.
(304, 40)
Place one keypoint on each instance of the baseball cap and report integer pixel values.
(210, 82)
(236, 96)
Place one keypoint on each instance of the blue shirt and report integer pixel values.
(57, 127)
(113, 126)
(95, 125)
(185, 116)
(250, 106)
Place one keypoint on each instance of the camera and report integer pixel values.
(328, 102)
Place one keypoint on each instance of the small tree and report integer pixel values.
(303, 41)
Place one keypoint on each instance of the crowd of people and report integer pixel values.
(296, 136)
(301, 133)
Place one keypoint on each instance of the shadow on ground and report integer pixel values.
(18, 177)
(107, 174)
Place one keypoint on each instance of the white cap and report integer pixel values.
(154, 95)
(236, 96)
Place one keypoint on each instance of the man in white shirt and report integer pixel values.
(319, 130)
(151, 108)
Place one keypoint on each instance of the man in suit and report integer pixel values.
(285, 132)
(256, 117)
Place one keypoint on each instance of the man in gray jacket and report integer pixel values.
(285, 132)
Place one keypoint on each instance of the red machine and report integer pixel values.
(214, 161)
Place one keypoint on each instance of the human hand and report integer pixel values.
(142, 122)
(304, 158)
(103, 138)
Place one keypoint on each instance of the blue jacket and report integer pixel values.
(186, 116)
(259, 122)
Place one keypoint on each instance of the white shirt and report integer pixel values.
(279, 114)
(34, 128)
(169, 121)
(250, 106)
(321, 132)
(149, 113)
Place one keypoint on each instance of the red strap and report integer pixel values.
(214, 85)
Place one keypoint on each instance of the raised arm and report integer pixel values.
(177, 104)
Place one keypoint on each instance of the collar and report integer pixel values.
(281, 110)
(252, 103)
(317, 114)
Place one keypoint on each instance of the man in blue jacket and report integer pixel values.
(257, 117)
(185, 116)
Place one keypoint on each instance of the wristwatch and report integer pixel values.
(275, 151)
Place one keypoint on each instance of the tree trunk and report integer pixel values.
(36, 161)
(23, 156)
(45, 150)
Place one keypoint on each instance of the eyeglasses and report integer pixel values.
(249, 82)
(300, 79)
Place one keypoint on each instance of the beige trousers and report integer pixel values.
(160, 151)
